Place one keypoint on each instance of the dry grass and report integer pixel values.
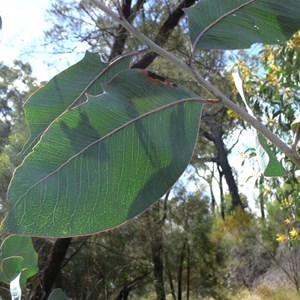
(261, 292)
(267, 292)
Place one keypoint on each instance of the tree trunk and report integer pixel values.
(222, 200)
(119, 43)
(169, 274)
(261, 198)
(155, 222)
(156, 252)
(215, 135)
(133, 284)
(227, 171)
(51, 270)
(213, 199)
(188, 271)
(164, 33)
(180, 270)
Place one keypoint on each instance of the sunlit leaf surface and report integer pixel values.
(106, 160)
(236, 24)
(66, 90)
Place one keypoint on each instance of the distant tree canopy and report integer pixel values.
(16, 84)
(187, 244)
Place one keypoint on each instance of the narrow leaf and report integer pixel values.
(106, 160)
(237, 24)
(296, 129)
(269, 165)
(238, 81)
(295, 124)
(67, 90)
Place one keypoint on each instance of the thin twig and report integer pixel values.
(200, 79)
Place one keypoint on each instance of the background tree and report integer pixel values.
(16, 84)
(168, 249)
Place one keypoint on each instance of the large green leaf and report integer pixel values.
(66, 90)
(18, 256)
(236, 24)
(106, 160)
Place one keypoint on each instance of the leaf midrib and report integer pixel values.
(136, 119)
(200, 35)
(73, 104)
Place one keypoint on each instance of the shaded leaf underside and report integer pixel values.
(107, 160)
(237, 24)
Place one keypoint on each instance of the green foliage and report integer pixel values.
(67, 90)
(245, 242)
(16, 83)
(268, 162)
(95, 161)
(123, 257)
(267, 292)
(156, 136)
(55, 195)
(273, 88)
(218, 24)
(11, 268)
(191, 224)
(274, 95)
(272, 168)
(75, 174)
(58, 294)
(18, 256)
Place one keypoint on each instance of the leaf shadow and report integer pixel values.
(163, 179)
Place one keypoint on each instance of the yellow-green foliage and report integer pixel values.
(262, 292)
(267, 292)
(234, 224)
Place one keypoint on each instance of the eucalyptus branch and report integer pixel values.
(189, 69)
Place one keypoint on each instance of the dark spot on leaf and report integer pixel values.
(158, 79)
